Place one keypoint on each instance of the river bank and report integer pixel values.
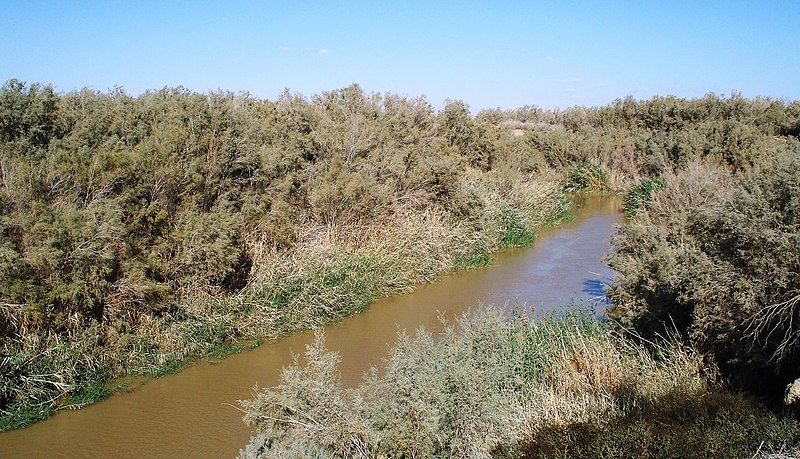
(141, 233)
(193, 412)
(332, 272)
(485, 387)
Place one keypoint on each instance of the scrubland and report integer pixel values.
(141, 232)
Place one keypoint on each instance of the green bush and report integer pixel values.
(476, 257)
(723, 271)
(514, 232)
(206, 249)
(638, 198)
(452, 396)
(586, 177)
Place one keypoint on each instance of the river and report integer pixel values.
(195, 413)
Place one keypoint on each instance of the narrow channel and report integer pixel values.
(195, 413)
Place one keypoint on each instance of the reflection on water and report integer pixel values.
(195, 414)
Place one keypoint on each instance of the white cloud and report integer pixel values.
(324, 52)
(285, 49)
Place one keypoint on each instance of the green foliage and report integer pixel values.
(638, 198)
(28, 114)
(563, 212)
(90, 392)
(514, 231)
(466, 137)
(435, 397)
(206, 250)
(326, 292)
(721, 267)
(35, 373)
(586, 177)
(21, 416)
(169, 367)
(475, 257)
(309, 394)
(342, 196)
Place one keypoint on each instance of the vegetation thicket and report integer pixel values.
(490, 387)
(139, 232)
(716, 256)
(705, 306)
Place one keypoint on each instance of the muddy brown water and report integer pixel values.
(195, 413)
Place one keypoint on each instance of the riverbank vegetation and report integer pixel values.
(490, 387)
(141, 232)
(704, 311)
(716, 257)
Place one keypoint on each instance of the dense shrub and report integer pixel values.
(586, 177)
(722, 268)
(489, 387)
(638, 198)
(177, 223)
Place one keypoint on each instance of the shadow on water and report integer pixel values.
(597, 292)
(596, 289)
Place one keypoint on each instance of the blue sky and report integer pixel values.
(489, 54)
